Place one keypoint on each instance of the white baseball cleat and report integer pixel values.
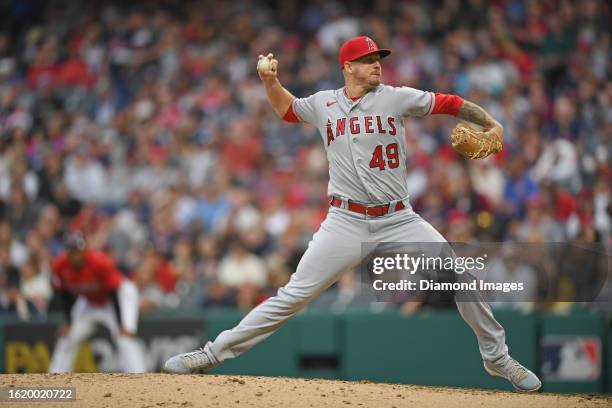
(192, 363)
(521, 378)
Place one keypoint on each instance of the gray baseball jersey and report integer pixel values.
(364, 139)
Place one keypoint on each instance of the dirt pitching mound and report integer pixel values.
(165, 390)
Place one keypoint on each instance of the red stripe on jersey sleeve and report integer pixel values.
(447, 104)
(290, 116)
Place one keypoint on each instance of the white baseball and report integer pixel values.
(264, 64)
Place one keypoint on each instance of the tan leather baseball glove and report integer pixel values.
(475, 144)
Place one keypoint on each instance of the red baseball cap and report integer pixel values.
(357, 47)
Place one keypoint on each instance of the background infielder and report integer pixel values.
(362, 128)
(94, 292)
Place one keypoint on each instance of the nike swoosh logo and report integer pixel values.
(328, 104)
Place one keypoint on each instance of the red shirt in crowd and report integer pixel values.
(96, 279)
(74, 72)
(42, 75)
(165, 277)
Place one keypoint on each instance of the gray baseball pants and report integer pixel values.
(334, 249)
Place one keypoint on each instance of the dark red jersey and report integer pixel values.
(96, 279)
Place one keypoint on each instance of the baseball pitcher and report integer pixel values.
(362, 128)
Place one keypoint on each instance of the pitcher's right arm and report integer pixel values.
(280, 98)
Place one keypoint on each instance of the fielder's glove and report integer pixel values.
(475, 144)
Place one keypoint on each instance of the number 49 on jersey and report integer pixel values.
(392, 157)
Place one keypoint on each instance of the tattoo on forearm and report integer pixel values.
(473, 113)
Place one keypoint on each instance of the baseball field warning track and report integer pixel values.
(166, 390)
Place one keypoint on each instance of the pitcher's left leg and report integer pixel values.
(407, 226)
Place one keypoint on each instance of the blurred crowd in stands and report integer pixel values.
(144, 125)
